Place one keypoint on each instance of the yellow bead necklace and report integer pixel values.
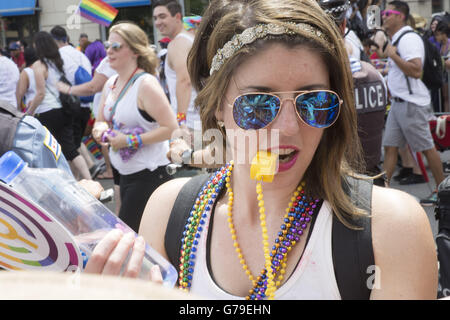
(268, 272)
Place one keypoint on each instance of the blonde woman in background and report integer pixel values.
(135, 119)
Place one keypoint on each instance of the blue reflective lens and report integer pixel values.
(255, 111)
(318, 109)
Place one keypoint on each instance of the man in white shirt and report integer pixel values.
(410, 103)
(73, 59)
(168, 20)
(9, 77)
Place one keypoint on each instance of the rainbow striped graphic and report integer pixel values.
(98, 11)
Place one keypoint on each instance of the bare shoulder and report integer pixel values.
(149, 85)
(403, 247)
(157, 212)
(38, 65)
(178, 48)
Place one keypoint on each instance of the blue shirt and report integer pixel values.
(36, 146)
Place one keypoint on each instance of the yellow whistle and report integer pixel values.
(264, 166)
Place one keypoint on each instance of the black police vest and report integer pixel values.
(370, 104)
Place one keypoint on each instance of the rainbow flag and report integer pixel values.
(97, 11)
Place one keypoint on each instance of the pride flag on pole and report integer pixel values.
(98, 11)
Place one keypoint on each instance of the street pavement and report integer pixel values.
(420, 191)
(423, 190)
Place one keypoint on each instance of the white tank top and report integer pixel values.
(31, 91)
(312, 279)
(126, 117)
(192, 115)
(51, 99)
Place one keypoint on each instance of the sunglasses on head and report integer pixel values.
(114, 45)
(317, 108)
(387, 13)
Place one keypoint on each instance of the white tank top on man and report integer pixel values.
(192, 115)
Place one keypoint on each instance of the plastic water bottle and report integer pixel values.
(86, 218)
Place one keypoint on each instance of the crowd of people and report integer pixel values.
(251, 66)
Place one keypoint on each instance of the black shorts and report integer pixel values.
(60, 126)
(80, 120)
(135, 190)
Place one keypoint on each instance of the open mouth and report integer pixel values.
(286, 155)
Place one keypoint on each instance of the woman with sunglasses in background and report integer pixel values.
(262, 228)
(135, 120)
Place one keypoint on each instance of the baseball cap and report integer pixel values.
(14, 46)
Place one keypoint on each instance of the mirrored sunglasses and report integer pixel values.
(114, 45)
(318, 108)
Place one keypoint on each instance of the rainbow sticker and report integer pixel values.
(31, 239)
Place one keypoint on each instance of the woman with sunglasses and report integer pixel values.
(135, 120)
(279, 70)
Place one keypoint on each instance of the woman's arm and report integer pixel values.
(100, 124)
(111, 252)
(40, 74)
(22, 87)
(404, 248)
(157, 212)
(85, 89)
(152, 99)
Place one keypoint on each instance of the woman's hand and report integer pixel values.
(62, 87)
(93, 187)
(111, 252)
(177, 147)
(117, 140)
(98, 129)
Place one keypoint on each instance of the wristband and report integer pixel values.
(181, 118)
(134, 141)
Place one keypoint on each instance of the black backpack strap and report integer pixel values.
(9, 119)
(395, 45)
(179, 215)
(352, 249)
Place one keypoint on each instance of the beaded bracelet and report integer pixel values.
(134, 141)
(181, 118)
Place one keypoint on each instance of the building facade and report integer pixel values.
(20, 19)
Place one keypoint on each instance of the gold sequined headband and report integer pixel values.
(260, 31)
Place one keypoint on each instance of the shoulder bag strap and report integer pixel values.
(9, 119)
(124, 90)
(352, 249)
(179, 215)
(395, 44)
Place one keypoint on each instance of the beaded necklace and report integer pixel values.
(297, 217)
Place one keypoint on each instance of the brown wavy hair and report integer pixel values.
(339, 150)
(138, 42)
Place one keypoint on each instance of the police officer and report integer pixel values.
(370, 95)
(27, 137)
